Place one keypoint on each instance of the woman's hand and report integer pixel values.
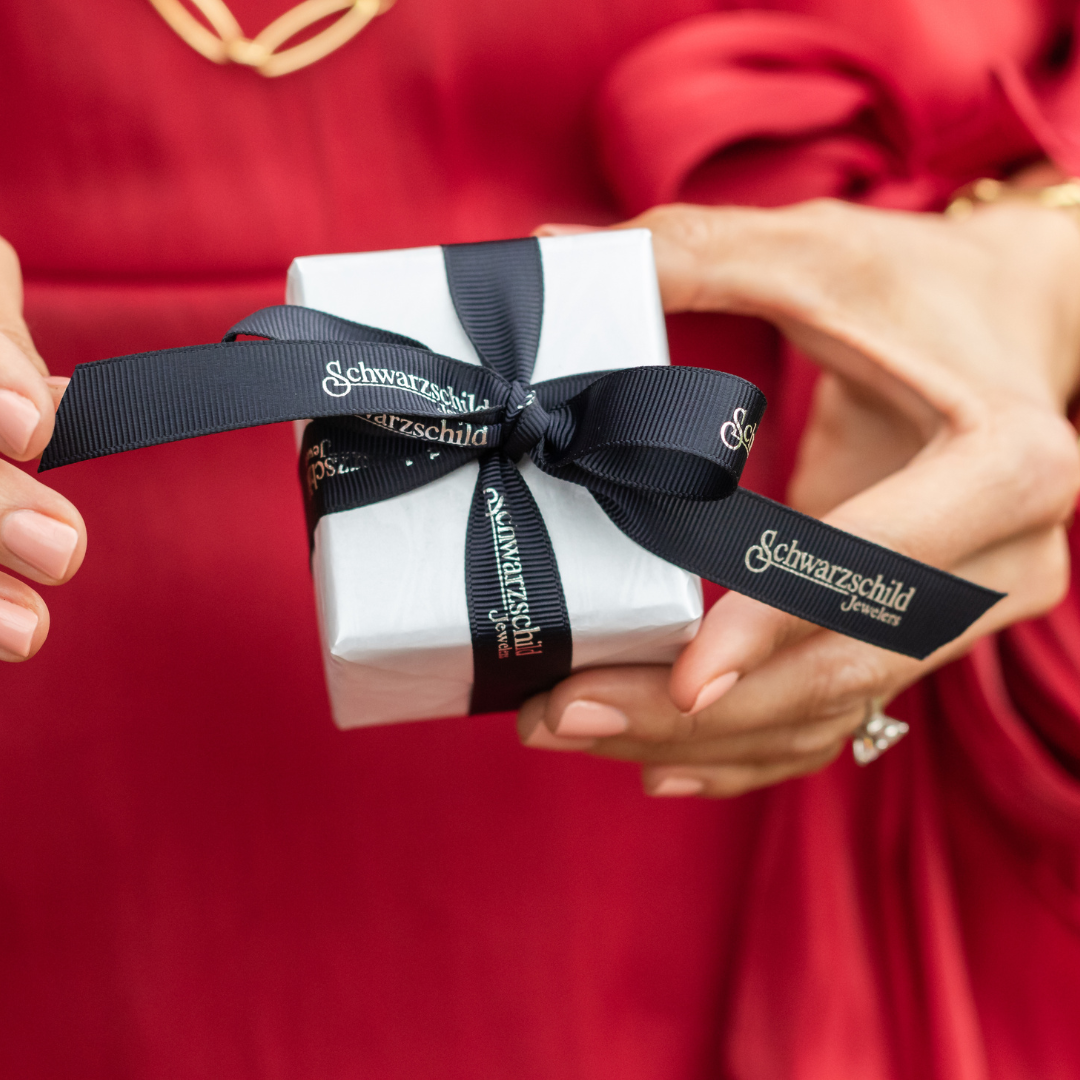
(42, 536)
(950, 350)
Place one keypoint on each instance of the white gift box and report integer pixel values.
(390, 578)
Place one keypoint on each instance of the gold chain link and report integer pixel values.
(225, 42)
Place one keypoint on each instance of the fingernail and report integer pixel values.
(17, 626)
(591, 720)
(678, 787)
(542, 739)
(18, 419)
(534, 733)
(43, 542)
(713, 691)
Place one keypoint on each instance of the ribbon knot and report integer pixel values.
(526, 419)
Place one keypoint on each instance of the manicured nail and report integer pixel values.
(674, 787)
(534, 733)
(17, 626)
(542, 739)
(591, 720)
(713, 691)
(18, 419)
(43, 542)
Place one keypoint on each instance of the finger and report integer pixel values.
(727, 781)
(600, 703)
(535, 734)
(758, 746)
(27, 404)
(657, 732)
(799, 701)
(24, 620)
(736, 636)
(749, 261)
(12, 324)
(626, 713)
(57, 384)
(815, 270)
(42, 536)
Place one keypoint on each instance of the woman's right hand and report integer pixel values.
(951, 350)
(42, 536)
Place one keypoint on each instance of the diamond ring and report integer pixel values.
(877, 733)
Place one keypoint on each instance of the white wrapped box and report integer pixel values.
(390, 578)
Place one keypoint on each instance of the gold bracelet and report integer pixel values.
(985, 191)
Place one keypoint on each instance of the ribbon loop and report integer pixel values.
(654, 429)
(289, 322)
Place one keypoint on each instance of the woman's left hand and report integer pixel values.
(950, 350)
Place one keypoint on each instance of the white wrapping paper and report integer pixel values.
(389, 578)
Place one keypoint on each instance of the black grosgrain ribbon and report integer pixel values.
(661, 450)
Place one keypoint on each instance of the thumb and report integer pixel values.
(12, 324)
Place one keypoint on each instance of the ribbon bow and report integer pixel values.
(661, 450)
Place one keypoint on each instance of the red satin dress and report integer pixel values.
(201, 877)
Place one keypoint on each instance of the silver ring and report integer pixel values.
(877, 733)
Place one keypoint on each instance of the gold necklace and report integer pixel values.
(226, 41)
